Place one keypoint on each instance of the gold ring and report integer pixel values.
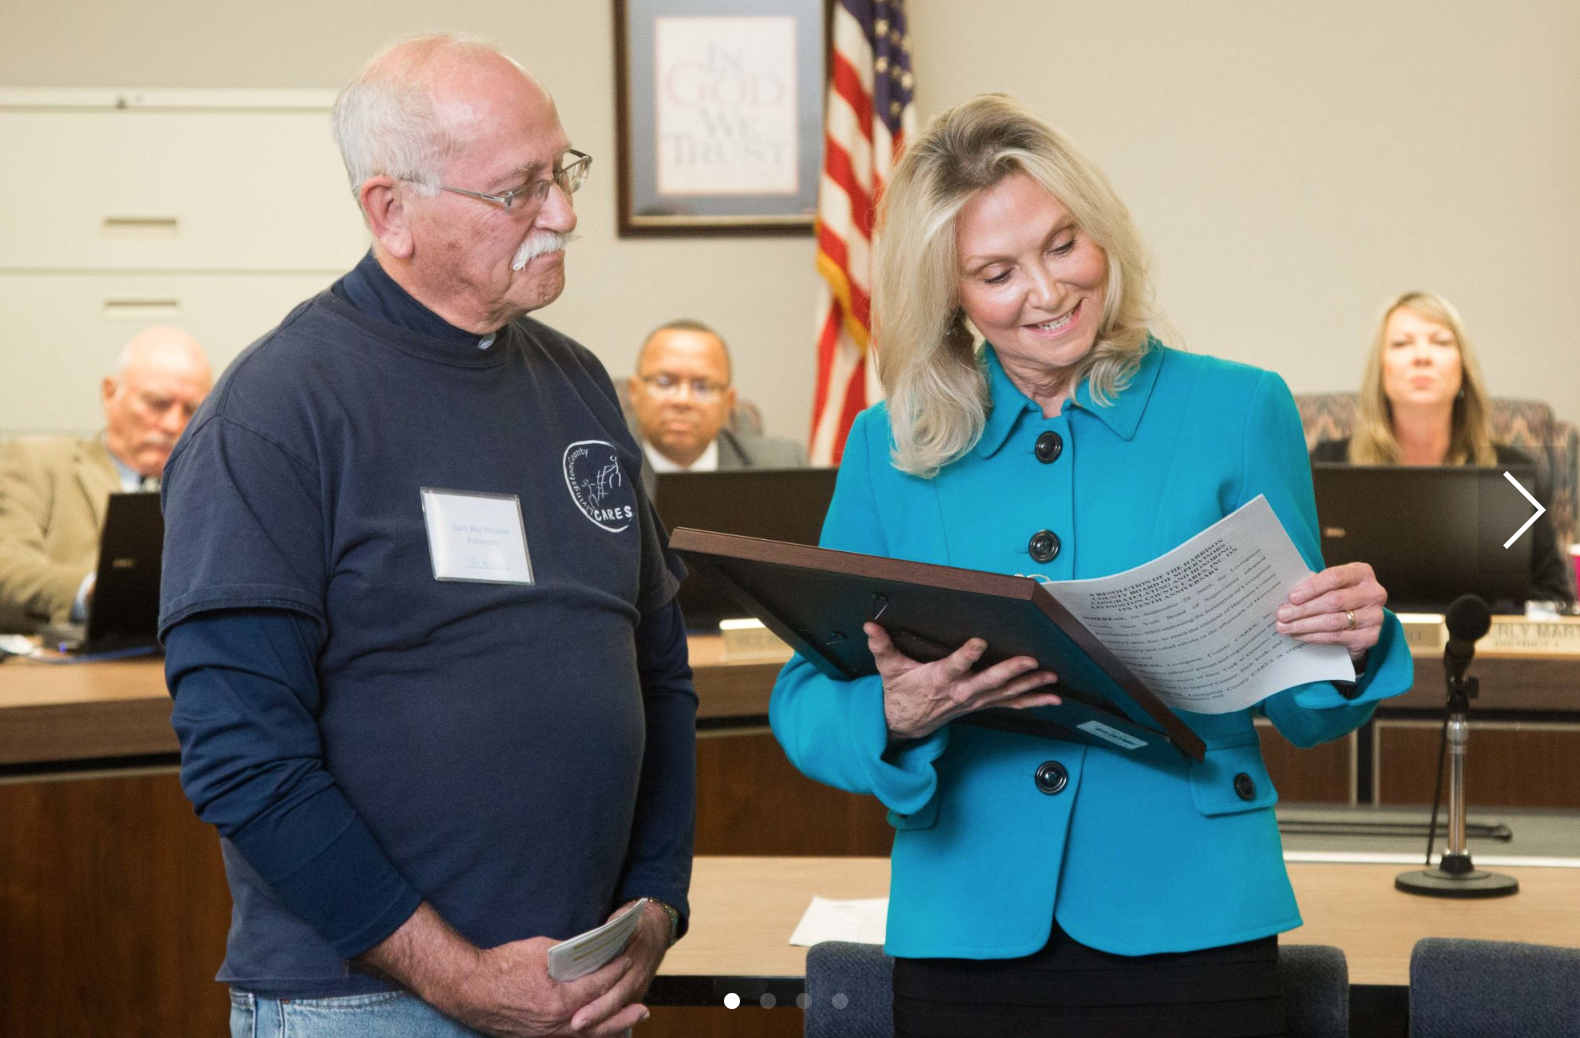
(1351, 614)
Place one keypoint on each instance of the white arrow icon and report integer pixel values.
(1540, 510)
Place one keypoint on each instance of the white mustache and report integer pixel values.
(541, 243)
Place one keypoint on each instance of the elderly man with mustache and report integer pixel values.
(429, 674)
(54, 489)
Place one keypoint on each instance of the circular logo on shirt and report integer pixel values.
(598, 486)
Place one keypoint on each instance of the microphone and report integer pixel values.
(1468, 621)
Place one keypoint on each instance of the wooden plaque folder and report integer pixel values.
(817, 600)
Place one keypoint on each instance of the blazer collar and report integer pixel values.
(731, 454)
(1122, 415)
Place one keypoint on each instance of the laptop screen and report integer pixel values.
(778, 504)
(1431, 533)
(126, 592)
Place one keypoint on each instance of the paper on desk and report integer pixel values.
(588, 951)
(16, 645)
(1196, 624)
(862, 922)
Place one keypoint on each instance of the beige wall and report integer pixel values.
(1293, 165)
(1290, 165)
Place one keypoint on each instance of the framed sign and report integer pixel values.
(720, 115)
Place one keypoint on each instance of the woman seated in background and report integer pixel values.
(1423, 402)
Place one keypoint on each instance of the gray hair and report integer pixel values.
(384, 121)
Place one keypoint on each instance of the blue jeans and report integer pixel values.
(390, 1014)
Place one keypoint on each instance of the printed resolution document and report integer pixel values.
(1196, 624)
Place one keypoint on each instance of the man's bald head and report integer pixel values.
(455, 155)
(396, 118)
(161, 377)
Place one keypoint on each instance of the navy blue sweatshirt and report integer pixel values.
(365, 736)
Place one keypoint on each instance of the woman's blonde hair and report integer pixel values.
(1470, 433)
(938, 395)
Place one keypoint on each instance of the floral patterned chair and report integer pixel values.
(1527, 424)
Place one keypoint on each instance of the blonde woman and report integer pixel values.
(1042, 886)
(1423, 401)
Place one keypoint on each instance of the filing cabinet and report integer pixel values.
(213, 210)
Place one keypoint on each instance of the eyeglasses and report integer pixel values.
(569, 176)
(703, 390)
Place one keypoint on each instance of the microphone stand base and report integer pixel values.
(1472, 883)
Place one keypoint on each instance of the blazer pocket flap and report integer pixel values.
(1232, 780)
(916, 819)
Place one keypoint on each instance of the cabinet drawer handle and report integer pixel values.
(141, 309)
(141, 227)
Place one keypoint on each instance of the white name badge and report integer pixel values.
(477, 537)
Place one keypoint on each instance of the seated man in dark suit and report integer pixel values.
(54, 489)
(681, 398)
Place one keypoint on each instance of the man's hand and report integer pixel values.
(510, 993)
(506, 991)
(648, 944)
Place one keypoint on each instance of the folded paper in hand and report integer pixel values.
(589, 951)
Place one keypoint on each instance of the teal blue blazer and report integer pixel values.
(1131, 858)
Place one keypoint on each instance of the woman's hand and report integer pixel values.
(1342, 605)
(920, 698)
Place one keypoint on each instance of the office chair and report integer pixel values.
(1316, 983)
(1493, 989)
(850, 991)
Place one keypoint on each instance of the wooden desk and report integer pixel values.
(113, 905)
(55, 713)
(1525, 728)
(1509, 685)
(743, 910)
(69, 712)
(113, 901)
(83, 712)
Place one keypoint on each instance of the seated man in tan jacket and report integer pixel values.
(53, 489)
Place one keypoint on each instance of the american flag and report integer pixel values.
(871, 111)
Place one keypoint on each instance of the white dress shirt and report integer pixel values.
(708, 462)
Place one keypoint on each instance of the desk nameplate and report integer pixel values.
(1510, 636)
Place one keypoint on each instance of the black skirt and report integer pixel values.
(1068, 990)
